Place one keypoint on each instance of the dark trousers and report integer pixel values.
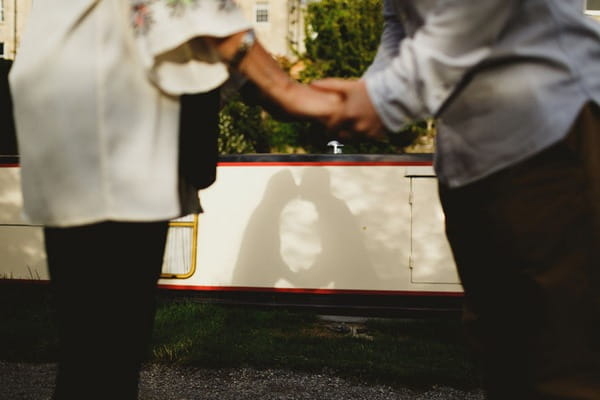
(104, 279)
(526, 244)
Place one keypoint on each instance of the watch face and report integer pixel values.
(246, 43)
(249, 38)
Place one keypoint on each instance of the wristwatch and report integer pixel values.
(247, 42)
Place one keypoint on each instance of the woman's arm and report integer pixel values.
(293, 98)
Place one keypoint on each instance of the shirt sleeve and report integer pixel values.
(389, 46)
(164, 30)
(455, 36)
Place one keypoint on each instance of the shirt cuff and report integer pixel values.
(387, 99)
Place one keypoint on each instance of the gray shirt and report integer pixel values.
(506, 78)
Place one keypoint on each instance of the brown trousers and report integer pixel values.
(526, 241)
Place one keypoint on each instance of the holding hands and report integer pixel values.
(303, 102)
(355, 113)
(343, 106)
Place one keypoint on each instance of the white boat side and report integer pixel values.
(312, 224)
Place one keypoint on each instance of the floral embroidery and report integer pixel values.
(178, 7)
(227, 5)
(141, 16)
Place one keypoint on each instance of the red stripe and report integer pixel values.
(310, 291)
(304, 163)
(323, 163)
(248, 289)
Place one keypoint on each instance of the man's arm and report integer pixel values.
(389, 45)
(456, 36)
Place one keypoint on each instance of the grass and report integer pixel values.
(413, 352)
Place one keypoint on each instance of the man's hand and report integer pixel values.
(356, 115)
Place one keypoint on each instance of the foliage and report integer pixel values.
(342, 37)
(340, 48)
(242, 129)
(247, 128)
(422, 134)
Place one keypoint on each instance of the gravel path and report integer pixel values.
(20, 381)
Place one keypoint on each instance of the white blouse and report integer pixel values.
(95, 87)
